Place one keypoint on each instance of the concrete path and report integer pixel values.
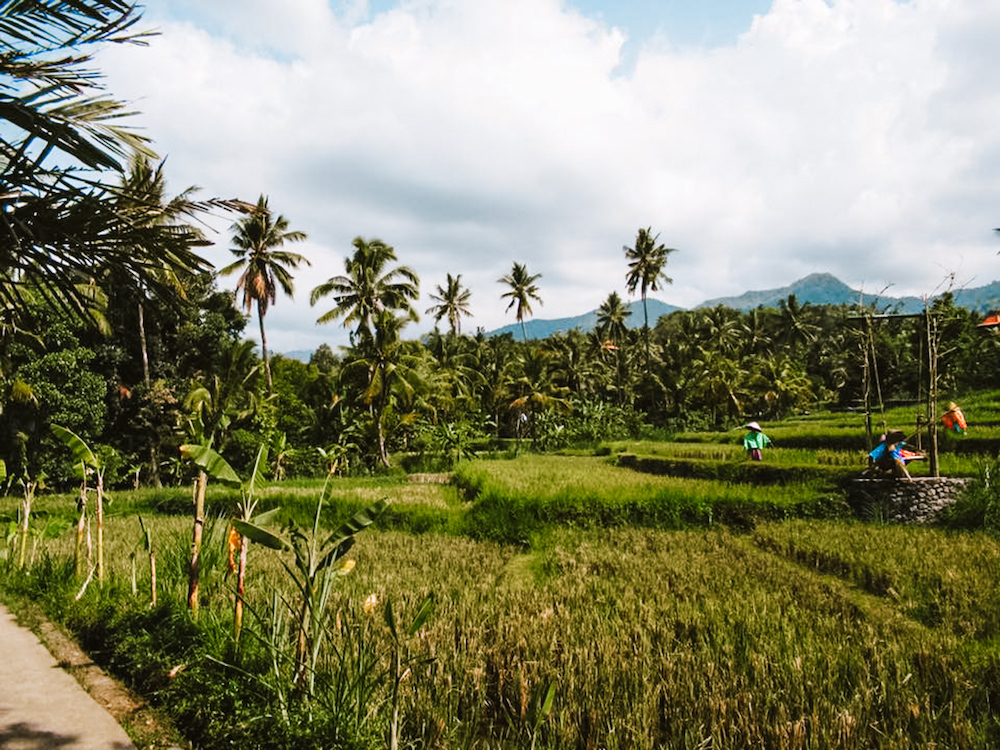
(41, 706)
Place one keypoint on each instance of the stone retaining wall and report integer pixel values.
(918, 500)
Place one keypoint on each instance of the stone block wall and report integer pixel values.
(918, 500)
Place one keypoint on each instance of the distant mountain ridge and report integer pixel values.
(540, 329)
(814, 289)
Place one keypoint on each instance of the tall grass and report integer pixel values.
(805, 634)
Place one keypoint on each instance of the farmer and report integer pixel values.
(755, 441)
(891, 455)
(954, 420)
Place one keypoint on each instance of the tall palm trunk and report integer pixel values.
(263, 350)
(142, 345)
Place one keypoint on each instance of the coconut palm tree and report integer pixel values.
(258, 239)
(453, 303)
(141, 197)
(611, 317)
(59, 220)
(646, 263)
(384, 367)
(522, 292)
(368, 287)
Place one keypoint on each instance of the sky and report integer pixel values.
(763, 141)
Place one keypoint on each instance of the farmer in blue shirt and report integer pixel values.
(891, 455)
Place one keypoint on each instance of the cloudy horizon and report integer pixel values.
(764, 141)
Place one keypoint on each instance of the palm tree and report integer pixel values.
(536, 391)
(797, 331)
(264, 267)
(611, 316)
(385, 371)
(522, 292)
(368, 288)
(453, 303)
(646, 263)
(141, 197)
(61, 134)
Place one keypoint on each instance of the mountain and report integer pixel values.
(815, 289)
(540, 329)
(826, 289)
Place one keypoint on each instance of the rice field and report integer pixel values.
(575, 605)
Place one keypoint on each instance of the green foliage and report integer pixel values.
(978, 507)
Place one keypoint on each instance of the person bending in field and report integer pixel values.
(755, 441)
(891, 455)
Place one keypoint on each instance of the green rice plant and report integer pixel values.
(945, 580)
(666, 639)
(516, 499)
(979, 506)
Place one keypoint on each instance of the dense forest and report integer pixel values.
(112, 324)
(428, 402)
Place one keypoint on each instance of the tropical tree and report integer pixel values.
(141, 197)
(453, 303)
(61, 134)
(368, 287)
(521, 293)
(576, 360)
(89, 462)
(611, 317)
(380, 362)
(452, 375)
(717, 382)
(646, 263)
(263, 265)
(496, 361)
(536, 391)
(793, 318)
(721, 329)
(213, 404)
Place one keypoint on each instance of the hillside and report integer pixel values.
(539, 329)
(815, 289)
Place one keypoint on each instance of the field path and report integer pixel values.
(41, 705)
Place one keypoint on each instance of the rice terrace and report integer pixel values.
(558, 601)
(768, 525)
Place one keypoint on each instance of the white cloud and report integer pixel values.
(856, 137)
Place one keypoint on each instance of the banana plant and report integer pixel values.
(89, 462)
(318, 559)
(27, 498)
(214, 465)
